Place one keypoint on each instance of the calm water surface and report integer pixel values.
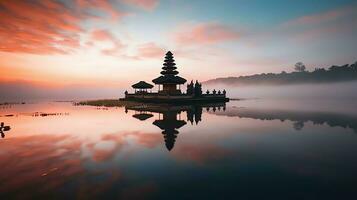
(250, 149)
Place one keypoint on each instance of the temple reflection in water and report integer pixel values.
(170, 117)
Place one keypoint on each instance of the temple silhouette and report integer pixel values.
(170, 119)
(169, 88)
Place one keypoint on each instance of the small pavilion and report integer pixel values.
(142, 87)
(169, 79)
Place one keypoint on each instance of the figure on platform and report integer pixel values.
(224, 92)
(207, 92)
(219, 91)
(214, 91)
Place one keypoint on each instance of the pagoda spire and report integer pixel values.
(169, 67)
(169, 78)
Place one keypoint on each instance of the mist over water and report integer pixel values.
(23, 92)
(337, 91)
(342, 90)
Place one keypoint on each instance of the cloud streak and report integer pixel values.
(204, 34)
(144, 4)
(328, 16)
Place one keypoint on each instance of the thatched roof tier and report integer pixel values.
(167, 79)
(142, 85)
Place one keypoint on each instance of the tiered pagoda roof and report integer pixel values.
(169, 73)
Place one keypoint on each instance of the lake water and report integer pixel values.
(251, 149)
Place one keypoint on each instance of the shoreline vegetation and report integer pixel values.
(320, 75)
(119, 103)
(107, 103)
(11, 103)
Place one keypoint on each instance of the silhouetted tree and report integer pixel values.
(198, 89)
(298, 125)
(300, 67)
(319, 75)
(190, 88)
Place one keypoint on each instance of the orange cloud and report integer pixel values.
(204, 33)
(144, 4)
(46, 27)
(42, 27)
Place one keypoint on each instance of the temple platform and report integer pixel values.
(174, 99)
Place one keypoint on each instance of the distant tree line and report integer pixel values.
(300, 75)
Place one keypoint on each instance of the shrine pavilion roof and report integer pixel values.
(142, 85)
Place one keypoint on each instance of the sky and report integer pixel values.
(101, 44)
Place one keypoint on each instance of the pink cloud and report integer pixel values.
(339, 22)
(115, 51)
(144, 4)
(330, 15)
(205, 33)
(150, 50)
(102, 35)
(105, 35)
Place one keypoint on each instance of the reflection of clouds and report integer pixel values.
(105, 154)
(201, 153)
(31, 160)
(48, 162)
(44, 163)
(298, 125)
(113, 143)
(149, 140)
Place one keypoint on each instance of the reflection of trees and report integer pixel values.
(298, 125)
(170, 117)
(298, 117)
